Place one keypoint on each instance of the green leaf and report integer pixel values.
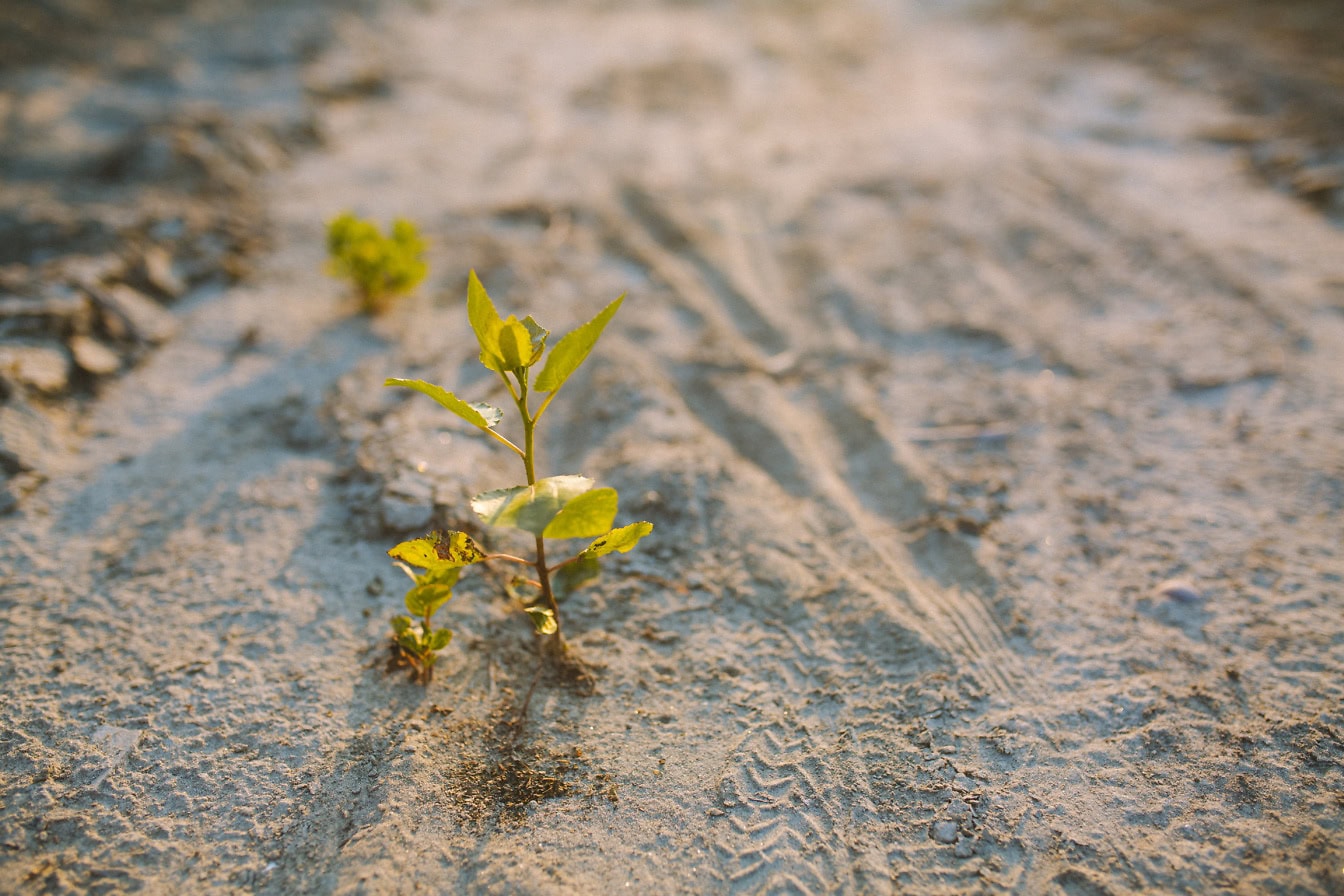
(497, 508)
(444, 574)
(417, 552)
(618, 540)
(401, 623)
(485, 322)
(573, 348)
(543, 620)
(437, 639)
(573, 576)
(587, 515)
(477, 414)
(457, 548)
(423, 600)
(538, 334)
(408, 642)
(515, 344)
(439, 549)
(529, 507)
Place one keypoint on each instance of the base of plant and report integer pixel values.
(401, 659)
(568, 667)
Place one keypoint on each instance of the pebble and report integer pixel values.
(944, 831)
(964, 849)
(1181, 590)
(158, 267)
(60, 311)
(132, 314)
(959, 810)
(93, 357)
(27, 439)
(40, 367)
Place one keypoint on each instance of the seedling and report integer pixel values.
(556, 507)
(380, 267)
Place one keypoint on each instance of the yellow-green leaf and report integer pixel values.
(423, 600)
(480, 415)
(439, 549)
(529, 507)
(515, 344)
(543, 620)
(618, 540)
(587, 515)
(573, 348)
(437, 639)
(485, 322)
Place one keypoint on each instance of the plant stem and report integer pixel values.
(508, 557)
(529, 463)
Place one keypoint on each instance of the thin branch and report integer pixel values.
(544, 405)
(563, 563)
(509, 557)
(499, 438)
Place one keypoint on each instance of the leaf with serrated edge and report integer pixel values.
(618, 540)
(530, 508)
(489, 412)
(423, 600)
(589, 514)
(480, 415)
(485, 320)
(573, 348)
(538, 334)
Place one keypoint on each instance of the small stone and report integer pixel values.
(964, 849)
(944, 831)
(1181, 590)
(60, 312)
(959, 810)
(27, 439)
(40, 367)
(92, 357)
(90, 271)
(159, 271)
(135, 315)
(9, 502)
(117, 743)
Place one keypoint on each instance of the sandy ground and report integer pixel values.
(949, 346)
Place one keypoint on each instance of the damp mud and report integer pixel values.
(979, 370)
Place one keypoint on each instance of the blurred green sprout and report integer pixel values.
(379, 267)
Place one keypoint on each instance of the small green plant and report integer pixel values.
(380, 267)
(556, 507)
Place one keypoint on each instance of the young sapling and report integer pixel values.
(379, 267)
(553, 508)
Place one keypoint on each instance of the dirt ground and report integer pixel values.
(980, 371)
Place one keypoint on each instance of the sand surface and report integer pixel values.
(985, 389)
